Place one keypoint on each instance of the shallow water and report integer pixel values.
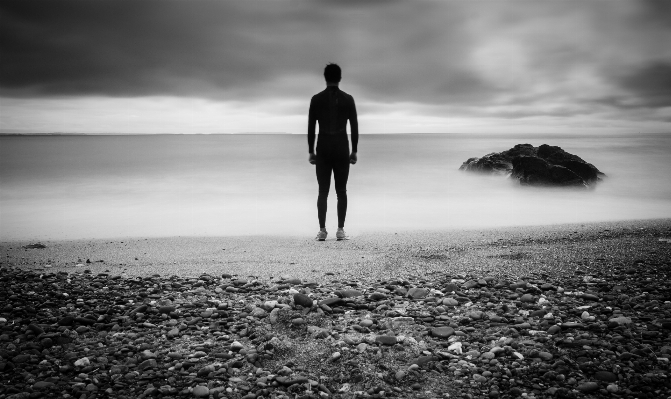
(169, 185)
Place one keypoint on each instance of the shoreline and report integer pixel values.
(367, 256)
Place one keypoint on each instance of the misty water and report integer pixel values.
(70, 187)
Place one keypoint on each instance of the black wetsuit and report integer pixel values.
(332, 108)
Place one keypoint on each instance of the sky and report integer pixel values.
(243, 66)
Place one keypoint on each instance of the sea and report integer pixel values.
(111, 186)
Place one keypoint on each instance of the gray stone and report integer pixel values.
(201, 391)
(450, 287)
(587, 387)
(147, 364)
(527, 298)
(348, 294)
(273, 315)
(450, 302)
(442, 332)
(605, 376)
(471, 284)
(303, 300)
(418, 293)
(330, 301)
(385, 339)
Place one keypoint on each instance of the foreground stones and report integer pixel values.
(597, 333)
(537, 166)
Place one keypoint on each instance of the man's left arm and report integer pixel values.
(312, 121)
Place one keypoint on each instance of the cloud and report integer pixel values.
(227, 49)
(650, 86)
(490, 59)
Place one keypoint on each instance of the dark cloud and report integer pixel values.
(121, 48)
(517, 59)
(651, 84)
(655, 12)
(220, 49)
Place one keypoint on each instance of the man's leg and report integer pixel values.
(340, 175)
(324, 180)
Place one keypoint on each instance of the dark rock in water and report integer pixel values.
(534, 171)
(498, 163)
(537, 166)
(490, 163)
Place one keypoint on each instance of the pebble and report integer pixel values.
(385, 339)
(527, 298)
(83, 362)
(291, 280)
(605, 376)
(554, 329)
(612, 388)
(347, 294)
(544, 335)
(418, 293)
(588, 387)
(455, 347)
(450, 302)
(620, 321)
(303, 300)
(442, 332)
(39, 385)
(200, 391)
(471, 284)
(274, 314)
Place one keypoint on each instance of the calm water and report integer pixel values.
(119, 186)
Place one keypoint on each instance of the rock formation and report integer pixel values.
(537, 166)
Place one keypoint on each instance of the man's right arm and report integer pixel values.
(354, 127)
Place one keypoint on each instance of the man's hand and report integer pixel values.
(352, 158)
(313, 158)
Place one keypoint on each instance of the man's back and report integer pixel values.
(332, 108)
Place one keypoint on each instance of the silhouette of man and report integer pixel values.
(332, 108)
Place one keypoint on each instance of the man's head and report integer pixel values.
(332, 73)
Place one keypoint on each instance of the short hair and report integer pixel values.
(332, 73)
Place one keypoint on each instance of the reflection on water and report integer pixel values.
(116, 186)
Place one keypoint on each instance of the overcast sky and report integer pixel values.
(412, 66)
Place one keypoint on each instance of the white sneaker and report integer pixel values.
(340, 235)
(321, 236)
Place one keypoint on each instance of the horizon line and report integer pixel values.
(287, 133)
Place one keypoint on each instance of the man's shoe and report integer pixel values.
(340, 235)
(321, 236)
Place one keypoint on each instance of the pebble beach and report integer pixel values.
(566, 311)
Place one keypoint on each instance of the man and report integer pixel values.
(332, 108)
